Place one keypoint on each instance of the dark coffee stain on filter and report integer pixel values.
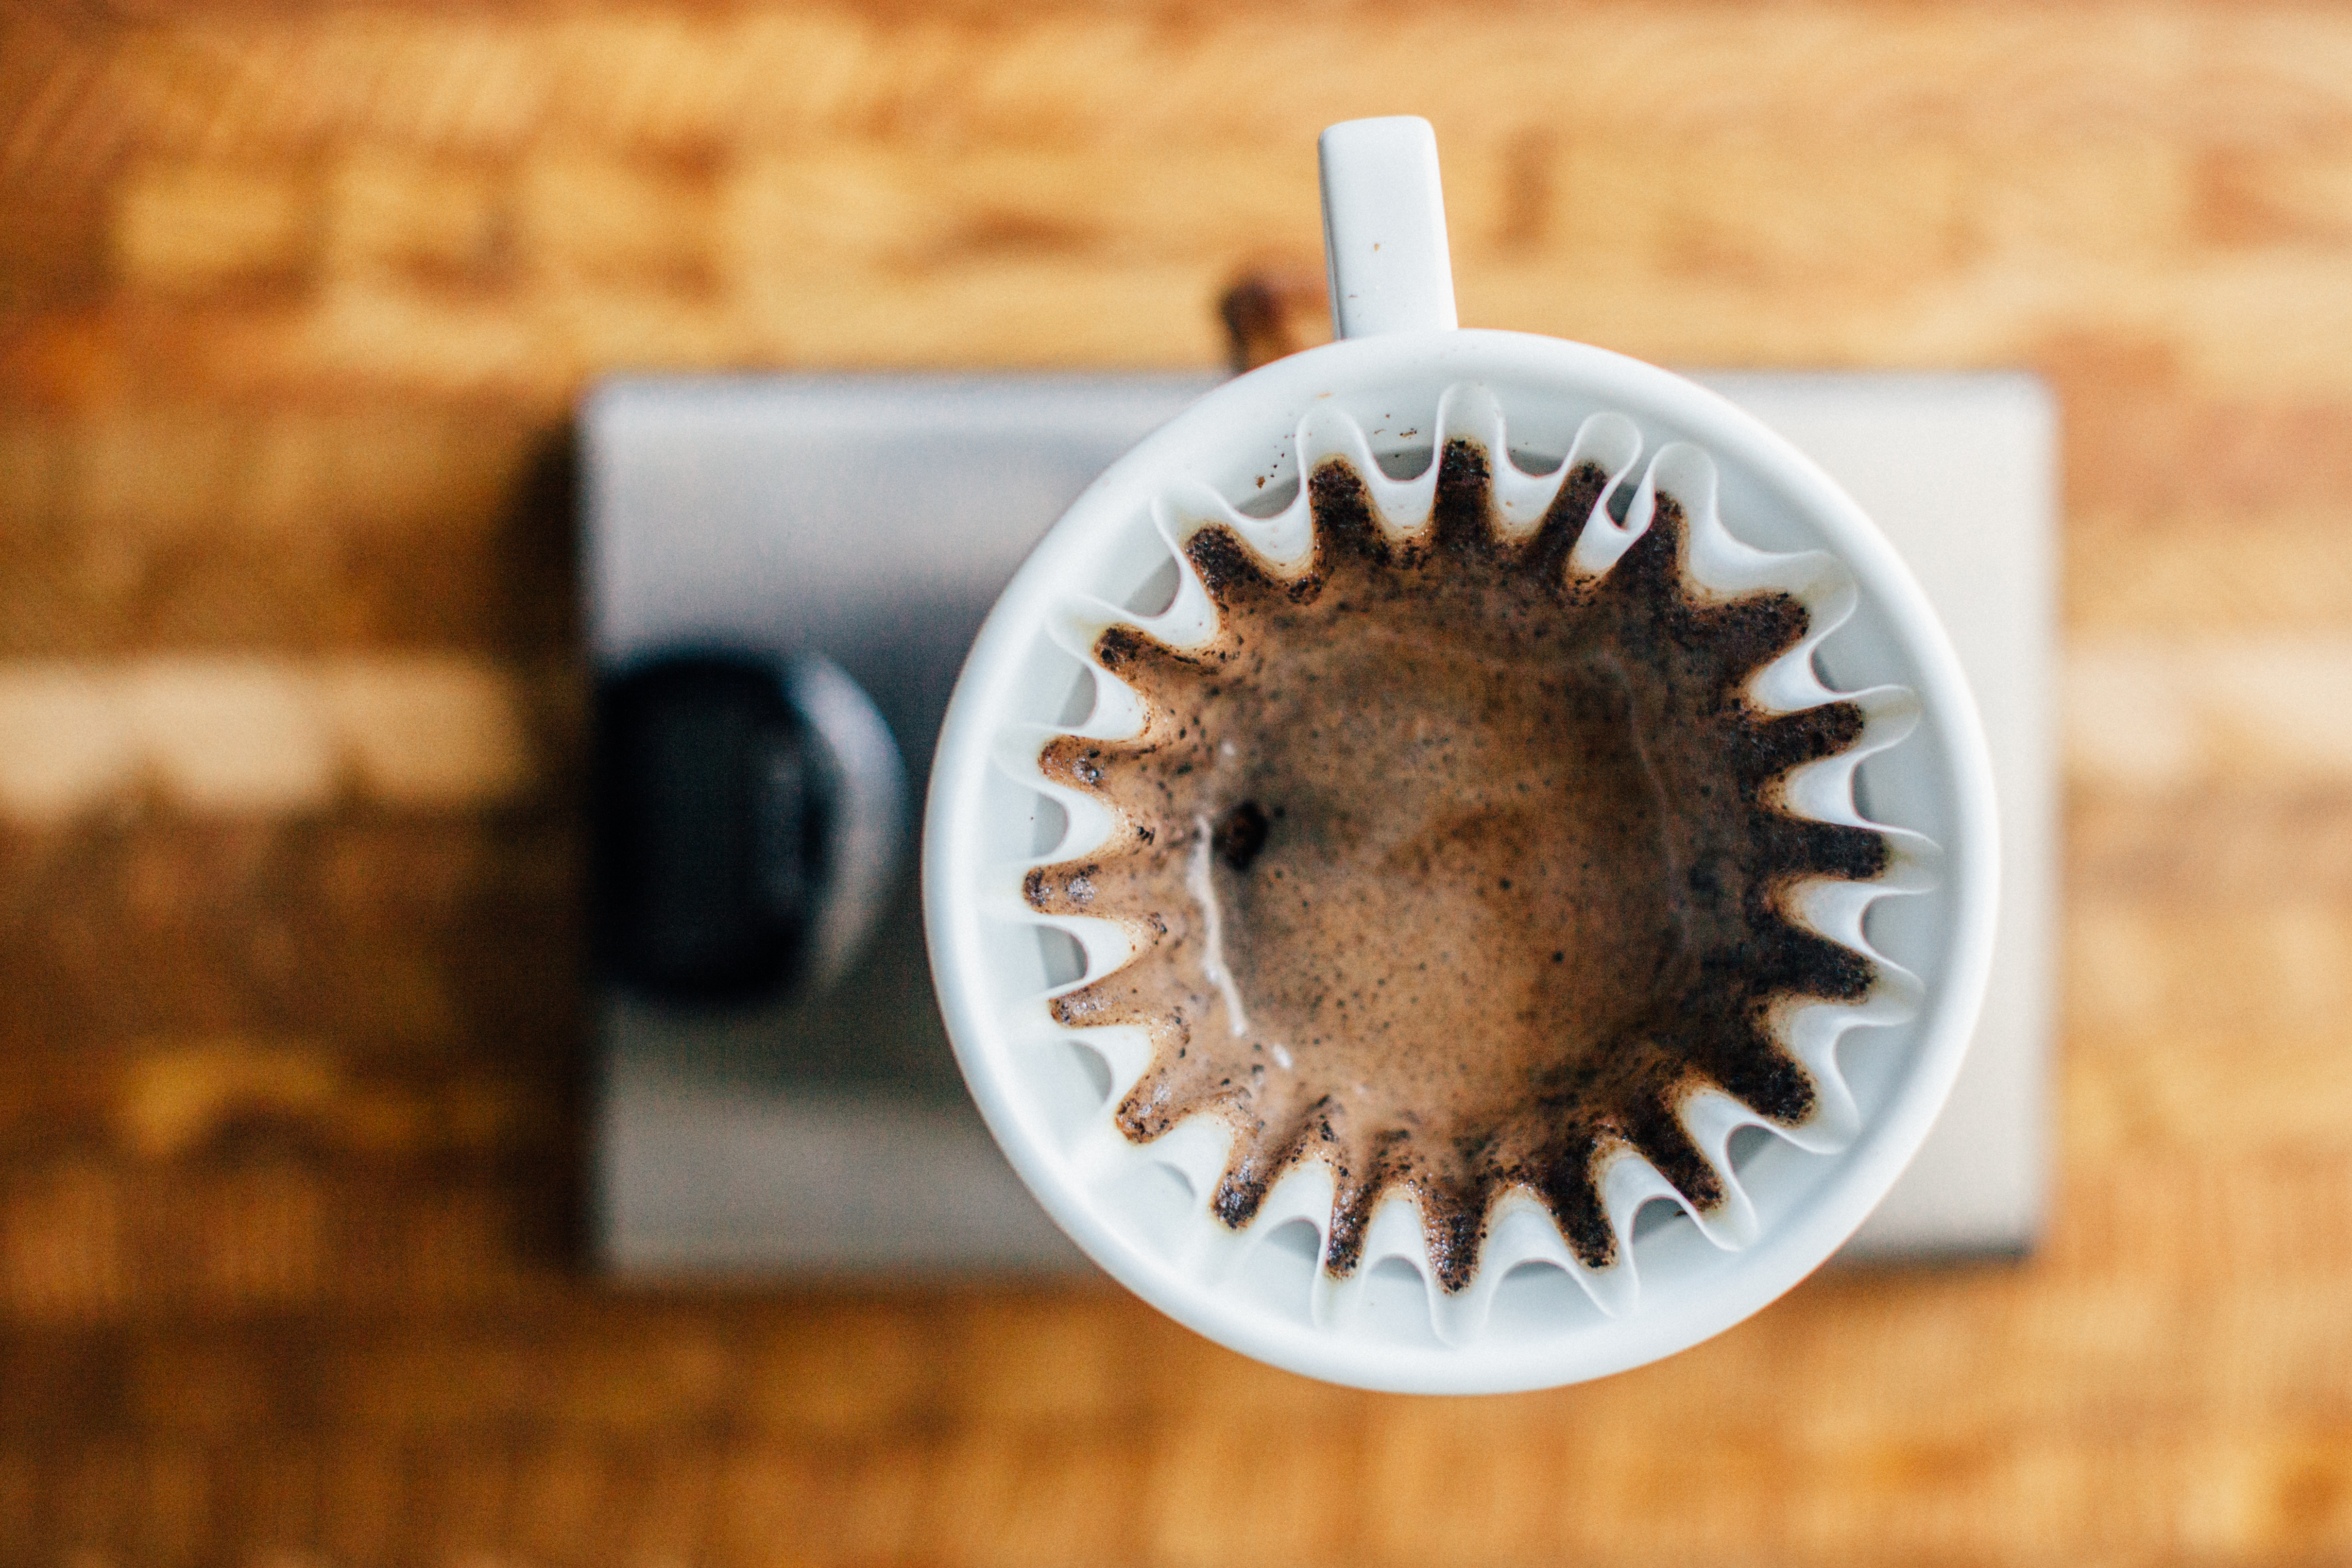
(1499, 861)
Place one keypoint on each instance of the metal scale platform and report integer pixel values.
(872, 520)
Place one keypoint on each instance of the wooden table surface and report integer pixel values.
(293, 304)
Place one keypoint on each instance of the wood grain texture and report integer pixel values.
(294, 301)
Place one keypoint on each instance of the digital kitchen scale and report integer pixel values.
(850, 533)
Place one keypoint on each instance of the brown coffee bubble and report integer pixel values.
(1456, 870)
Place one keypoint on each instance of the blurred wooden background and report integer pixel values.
(293, 303)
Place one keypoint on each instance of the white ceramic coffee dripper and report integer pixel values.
(1401, 381)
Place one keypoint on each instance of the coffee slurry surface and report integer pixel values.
(1456, 872)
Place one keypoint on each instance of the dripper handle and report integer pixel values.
(1385, 228)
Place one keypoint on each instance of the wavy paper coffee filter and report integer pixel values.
(1533, 1309)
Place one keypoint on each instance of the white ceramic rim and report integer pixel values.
(1271, 398)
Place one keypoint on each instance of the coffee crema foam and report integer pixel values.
(1457, 869)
